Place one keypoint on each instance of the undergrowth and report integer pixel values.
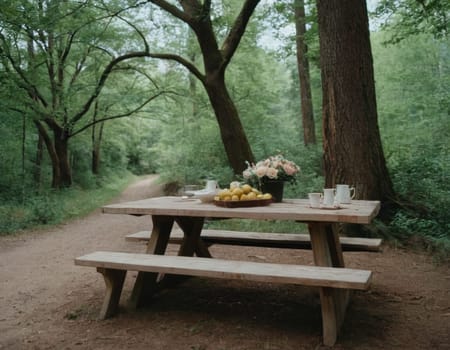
(51, 207)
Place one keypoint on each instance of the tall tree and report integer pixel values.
(309, 129)
(65, 71)
(353, 151)
(198, 16)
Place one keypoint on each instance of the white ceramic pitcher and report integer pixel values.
(345, 194)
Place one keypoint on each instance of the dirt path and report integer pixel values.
(46, 302)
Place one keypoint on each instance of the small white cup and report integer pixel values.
(328, 197)
(211, 185)
(314, 199)
(345, 194)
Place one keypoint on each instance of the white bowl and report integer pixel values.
(204, 195)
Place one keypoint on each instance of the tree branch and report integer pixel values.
(173, 10)
(187, 64)
(109, 68)
(24, 83)
(126, 114)
(234, 36)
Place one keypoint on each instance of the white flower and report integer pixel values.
(247, 173)
(272, 173)
(261, 171)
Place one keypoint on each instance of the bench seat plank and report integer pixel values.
(263, 239)
(230, 269)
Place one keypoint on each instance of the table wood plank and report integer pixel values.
(358, 212)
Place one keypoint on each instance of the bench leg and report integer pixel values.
(114, 283)
(327, 252)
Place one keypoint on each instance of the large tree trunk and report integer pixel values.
(309, 130)
(58, 153)
(62, 150)
(232, 132)
(353, 152)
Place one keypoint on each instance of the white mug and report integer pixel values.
(314, 199)
(328, 197)
(345, 194)
(211, 185)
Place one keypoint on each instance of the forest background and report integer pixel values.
(152, 116)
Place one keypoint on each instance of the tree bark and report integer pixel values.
(62, 151)
(309, 129)
(58, 151)
(353, 152)
(232, 132)
(56, 173)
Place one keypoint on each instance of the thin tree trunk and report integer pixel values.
(38, 162)
(96, 151)
(353, 152)
(56, 172)
(309, 129)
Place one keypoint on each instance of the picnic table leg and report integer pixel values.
(146, 282)
(192, 242)
(327, 252)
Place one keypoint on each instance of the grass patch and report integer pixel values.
(51, 207)
(277, 226)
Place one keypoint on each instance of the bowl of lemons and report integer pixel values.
(238, 195)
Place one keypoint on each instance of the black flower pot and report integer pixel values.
(275, 188)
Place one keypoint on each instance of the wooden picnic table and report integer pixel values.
(329, 274)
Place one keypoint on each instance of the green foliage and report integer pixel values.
(407, 18)
(422, 179)
(413, 108)
(257, 225)
(52, 207)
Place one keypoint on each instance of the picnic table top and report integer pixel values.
(358, 212)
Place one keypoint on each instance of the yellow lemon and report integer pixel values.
(237, 191)
(224, 193)
(251, 195)
(267, 196)
(234, 184)
(234, 197)
(227, 198)
(244, 197)
(246, 188)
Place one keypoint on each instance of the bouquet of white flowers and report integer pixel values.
(273, 168)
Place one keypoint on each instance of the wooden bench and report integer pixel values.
(260, 239)
(113, 266)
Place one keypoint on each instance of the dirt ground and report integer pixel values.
(46, 302)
